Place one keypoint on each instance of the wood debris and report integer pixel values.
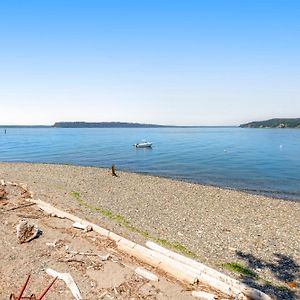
(26, 232)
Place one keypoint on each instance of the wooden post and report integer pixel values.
(113, 170)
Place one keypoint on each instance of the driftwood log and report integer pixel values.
(211, 276)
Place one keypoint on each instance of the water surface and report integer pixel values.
(261, 160)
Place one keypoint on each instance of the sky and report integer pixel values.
(195, 62)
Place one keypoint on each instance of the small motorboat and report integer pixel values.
(143, 144)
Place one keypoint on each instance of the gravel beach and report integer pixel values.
(100, 270)
(219, 227)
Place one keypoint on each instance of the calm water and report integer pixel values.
(262, 160)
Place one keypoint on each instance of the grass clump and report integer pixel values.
(280, 290)
(176, 246)
(239, 268)
(283, 288)
(76, 195)
(124, 222)
(119, 218)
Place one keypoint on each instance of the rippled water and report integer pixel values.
(262, 160)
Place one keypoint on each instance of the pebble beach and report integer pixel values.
(217, 226)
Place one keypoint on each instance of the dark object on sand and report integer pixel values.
(32, 297)
(113, 170)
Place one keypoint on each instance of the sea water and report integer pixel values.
(259, 160)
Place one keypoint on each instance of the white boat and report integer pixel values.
(144, 144)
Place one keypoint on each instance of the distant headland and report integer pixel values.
(82, 124)
(122, 125)
(106, 125)
(274, 123)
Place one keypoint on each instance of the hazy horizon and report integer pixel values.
(208, 63)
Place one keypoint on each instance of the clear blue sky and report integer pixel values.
(200, 62)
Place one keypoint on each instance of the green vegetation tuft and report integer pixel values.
(124, 222)
(239, 268)
(282, 288)
(76, 195)
(175, 245)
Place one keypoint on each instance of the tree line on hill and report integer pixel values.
(274, 123)
(105, 125)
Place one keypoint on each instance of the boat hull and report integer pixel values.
(143, 145)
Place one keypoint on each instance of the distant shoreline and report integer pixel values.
(271, 123)
(133, 127)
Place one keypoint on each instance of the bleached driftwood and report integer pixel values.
(255, 294)
(192, 263)
(67, 278)
(203, 295)
(170, 266)
(146, 274)
(84, 227)
(102, 257)
(52, 244)
(196, 275)
(208, 273)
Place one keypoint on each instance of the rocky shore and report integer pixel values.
(254, 238)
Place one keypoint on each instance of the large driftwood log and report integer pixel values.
(202, 270)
